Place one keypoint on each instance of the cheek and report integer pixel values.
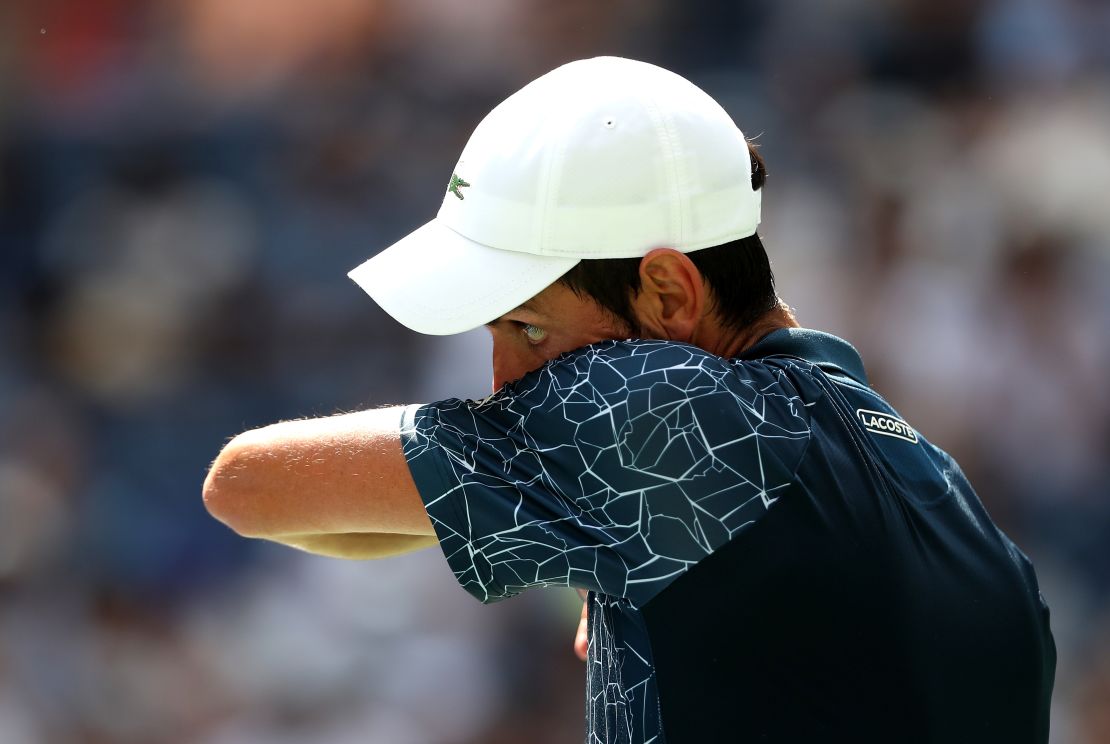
(553, 351)
(586, 333)
(513, 359)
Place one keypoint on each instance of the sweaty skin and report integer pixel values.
(340, 486)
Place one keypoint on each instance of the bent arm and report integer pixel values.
(336, 486)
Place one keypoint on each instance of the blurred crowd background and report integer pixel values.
(185, 183)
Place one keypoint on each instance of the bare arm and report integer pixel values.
(357, 545)
(335, 486)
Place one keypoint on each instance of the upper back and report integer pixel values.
(876, 597)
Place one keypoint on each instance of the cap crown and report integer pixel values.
(604, 158)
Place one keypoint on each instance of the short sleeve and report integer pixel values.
(614, 468)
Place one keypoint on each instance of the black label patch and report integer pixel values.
(887, 425)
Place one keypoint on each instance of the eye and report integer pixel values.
(534, 334)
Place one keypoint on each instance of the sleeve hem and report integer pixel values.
(434, 481)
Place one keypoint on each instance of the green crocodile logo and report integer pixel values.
(456, 184)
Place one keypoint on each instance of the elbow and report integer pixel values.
(229, 491)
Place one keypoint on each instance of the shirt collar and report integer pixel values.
(823, 349)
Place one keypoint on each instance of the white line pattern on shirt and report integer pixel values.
(615, 468)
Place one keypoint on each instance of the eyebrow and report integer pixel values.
(526, 305)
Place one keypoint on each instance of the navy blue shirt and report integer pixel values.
(771, 552)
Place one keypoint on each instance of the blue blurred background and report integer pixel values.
(184, 184)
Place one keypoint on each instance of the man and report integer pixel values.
(771, 552)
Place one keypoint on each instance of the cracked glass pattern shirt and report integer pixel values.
(628, 469)
(613, 469)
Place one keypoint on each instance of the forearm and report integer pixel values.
(356, 545)
(340, 475)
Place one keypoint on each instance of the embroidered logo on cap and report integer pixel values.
(456, 184)
(887, 425)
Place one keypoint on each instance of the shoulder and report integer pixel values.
(616, 385)
(613, 385)
(621, 368)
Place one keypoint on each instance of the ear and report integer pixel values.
(672, 295)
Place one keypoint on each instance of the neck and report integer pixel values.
(728, 343)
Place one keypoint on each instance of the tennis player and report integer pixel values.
(771, 552)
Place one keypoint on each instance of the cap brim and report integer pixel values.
(436, 281)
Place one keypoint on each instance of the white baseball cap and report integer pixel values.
(599, 158)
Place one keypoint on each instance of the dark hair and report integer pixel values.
(738, 272)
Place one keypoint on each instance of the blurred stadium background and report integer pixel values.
(184, 184)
